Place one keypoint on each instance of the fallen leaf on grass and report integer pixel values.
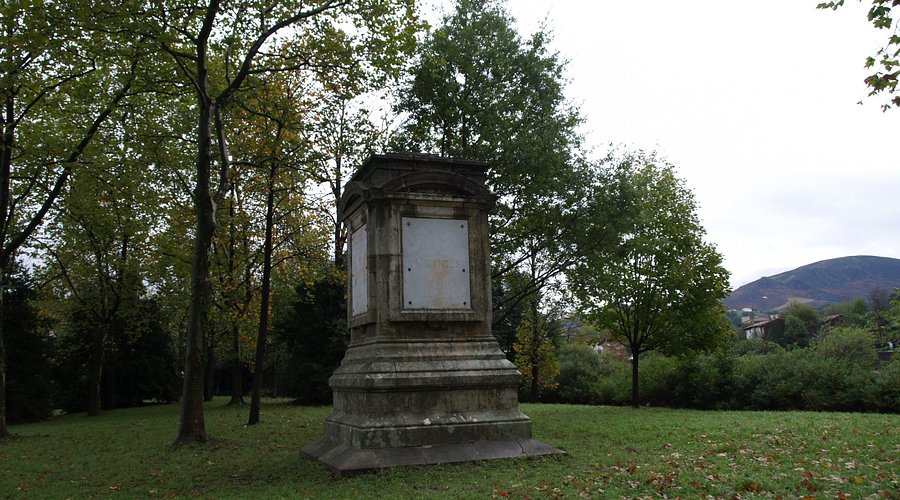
(751, 487)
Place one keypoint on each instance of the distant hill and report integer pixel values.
(826, 282)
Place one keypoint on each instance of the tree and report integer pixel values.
(481, 92)
(218, 47)
(284, 116)
(892, 315)
(661, 288)
(138, 363)
(313, 335)
(52, 71)
(886, 61)
(29, 390)
(235, 263)
(274, 154)
(344, 134)
(97, 286)
(880, 304)
(580, 370)
(97, 242)
(537, 336)
(855, 312)
(801, 325)
(535, 350)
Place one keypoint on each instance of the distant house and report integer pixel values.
(832, 320)
(762, 329)
(613, 348)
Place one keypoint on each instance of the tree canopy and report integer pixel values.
(661, 287)
(480, 91)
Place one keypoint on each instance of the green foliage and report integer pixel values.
(887, 386)
(891, 316)
(854, 312)
(535, 351)
(661, 287)
(138, 366)
(480, 91)
(508, 312)
(614, 384)
(60, 82)
(769, 381)
(837, 372)
(579, 371)
(886, 61)
(801, 325)
(313, 337)
(840, 373)
(29, 352)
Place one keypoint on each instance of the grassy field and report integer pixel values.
(612, 453)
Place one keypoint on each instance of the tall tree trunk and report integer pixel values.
(209, 377)
(4, 430)
(535, 383)
(192, 427)
(237, 371)
(264, 304)
(237, 376)
(96, 371)
(635, 397)
(5, 169)
(111, 380)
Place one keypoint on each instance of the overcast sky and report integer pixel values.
(756, 105)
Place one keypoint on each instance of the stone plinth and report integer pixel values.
(423, 380)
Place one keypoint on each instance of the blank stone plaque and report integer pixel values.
(359, 272)
(436, 263)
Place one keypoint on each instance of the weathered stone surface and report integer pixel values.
(423, 380)
(344, 461)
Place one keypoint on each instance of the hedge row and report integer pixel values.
(839, 371)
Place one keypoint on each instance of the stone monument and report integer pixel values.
(423, 381)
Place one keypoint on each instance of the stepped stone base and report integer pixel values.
(420, 403)
(344, 461)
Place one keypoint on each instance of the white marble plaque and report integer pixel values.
(359, 272)
(435, 263)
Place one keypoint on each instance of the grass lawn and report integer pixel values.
(612, 452)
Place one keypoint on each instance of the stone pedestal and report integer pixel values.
(423, 380)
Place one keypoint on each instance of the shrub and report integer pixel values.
(139, 364)
(28, 351)
(705, 381)
(313, 334)
(768, 381)
(614, 382)
(837, 372)
(886, 392)
(580, 370)
(840, 371)
(657, 380)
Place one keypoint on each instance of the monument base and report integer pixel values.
(344, 461)
(421, 403)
